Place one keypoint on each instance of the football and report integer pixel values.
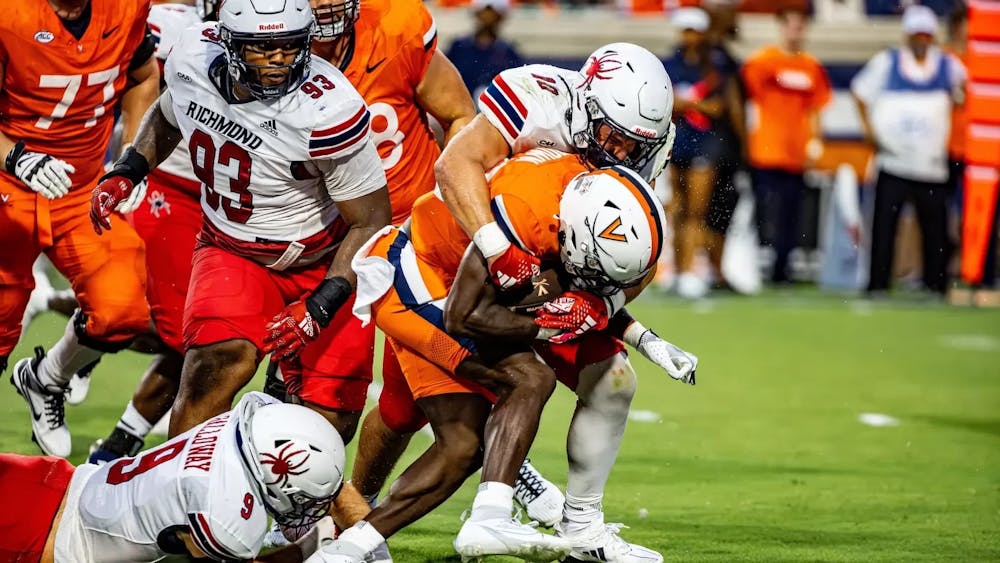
(546, 286)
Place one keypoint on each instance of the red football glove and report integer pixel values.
(289, 331)
(105, 198)
(574, 313)
(514, 268)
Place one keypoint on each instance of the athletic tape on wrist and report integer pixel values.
(323, 303)
(490, 240)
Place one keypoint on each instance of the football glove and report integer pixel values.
(122, 189)
(573, 313)
(678, 364)
(42, 173)
(300, 323)
(290, 331)
(510, 266)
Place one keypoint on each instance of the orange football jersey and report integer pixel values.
(525, 195)
(392, 50)
(783, 89)
(58, 93)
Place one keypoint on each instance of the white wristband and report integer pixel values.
(614, 302)
(490, 240)
(633, 334)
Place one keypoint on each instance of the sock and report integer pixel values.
(362, 536)
(579, 513)
(64, 359)
(134, 423)
(493, 500)
(605, 392)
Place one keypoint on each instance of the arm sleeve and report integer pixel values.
(871, 79)
(142, 53)
(350, 177)
(217, 541)
(518, 221)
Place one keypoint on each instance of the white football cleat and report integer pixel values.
(79, 384)
(540, 497)
(505, 536)
(379, 555)
(47, 407)
(600, 542)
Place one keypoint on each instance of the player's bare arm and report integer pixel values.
(143, 89)
(301, 322)
(365, 215)
(442, 94)
(461, 172)
(156, 138)
(472, 311)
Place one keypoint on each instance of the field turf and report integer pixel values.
(767, 459)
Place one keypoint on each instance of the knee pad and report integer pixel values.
(98, 342)
(608, 382)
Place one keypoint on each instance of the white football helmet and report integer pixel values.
(626, 88)
(611, 228)
(335, 18)
(245, 23)
(208, 10)
(295, 456)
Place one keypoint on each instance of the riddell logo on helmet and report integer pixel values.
(643, 132)
(279, 26)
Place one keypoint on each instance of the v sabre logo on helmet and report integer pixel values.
(610, 233)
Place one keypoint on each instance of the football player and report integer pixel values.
(64, 66)
(391, 57)
(544, 199)
(615, 111)
(206, 493)
(291, 187)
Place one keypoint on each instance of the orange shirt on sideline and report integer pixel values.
(783, 90)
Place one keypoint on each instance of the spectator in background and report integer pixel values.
(787, 88)
(731, 132)
(700, 83)
(905, 97)
(481, 56)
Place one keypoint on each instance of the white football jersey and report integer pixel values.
(270, 170)
(129, 510)
(530, 107)
(166, 22)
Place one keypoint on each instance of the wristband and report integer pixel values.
(323, 303)
(132, 165)
(490, 240)
(614, 302)
(633, 334)
(13, 156)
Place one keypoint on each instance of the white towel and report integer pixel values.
(375, 276)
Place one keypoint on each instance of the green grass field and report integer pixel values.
(766, 459)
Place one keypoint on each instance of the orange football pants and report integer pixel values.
(107, 272)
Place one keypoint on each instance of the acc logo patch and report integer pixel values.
(44, 36)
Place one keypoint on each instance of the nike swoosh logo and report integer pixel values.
(371, 68)
(108, 33)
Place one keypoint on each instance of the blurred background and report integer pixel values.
(774, 179)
